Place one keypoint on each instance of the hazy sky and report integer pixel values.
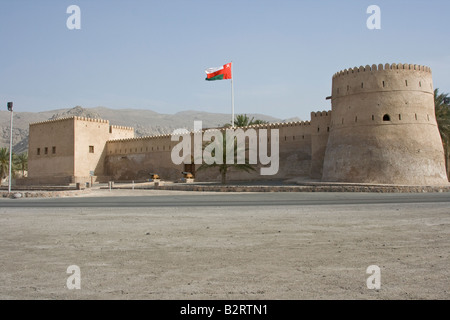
(153, 54)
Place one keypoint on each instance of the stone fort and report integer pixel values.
(381, 130)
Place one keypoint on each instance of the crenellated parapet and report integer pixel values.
(90, 119)
(320, 122)
(320, 114)
(381, 67)
(390, 77)
(145, 138)
(320, 117)
(73, 118)
(278, 125)
(122, 128)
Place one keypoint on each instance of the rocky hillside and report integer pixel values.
(145, 122)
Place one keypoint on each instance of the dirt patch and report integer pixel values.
(308, 252)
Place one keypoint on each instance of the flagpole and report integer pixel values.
(232, 96)
(10, 152)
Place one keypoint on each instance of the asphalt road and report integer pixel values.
(229, 200)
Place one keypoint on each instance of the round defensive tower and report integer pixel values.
(383, 127)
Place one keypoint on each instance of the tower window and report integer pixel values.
(356, 119)
(415, 115)
(91, 149)
(53, 150)
(383, 84)
(38, 151)
(406, 82)
(362, 85)
(46, 150)
(373, 117)
(420, 83)
(386, 117)
(399, 117)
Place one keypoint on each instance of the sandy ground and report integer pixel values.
(309, 252)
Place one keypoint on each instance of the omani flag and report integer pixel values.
(219, 73)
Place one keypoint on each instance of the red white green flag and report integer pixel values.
(219, 73)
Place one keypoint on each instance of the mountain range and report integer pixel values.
(145, 122)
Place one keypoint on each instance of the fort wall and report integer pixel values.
(134, 159)
(120, 132)
(51, 151)
(67, 150)
(383, 127)
(91, 136)
(320, 130)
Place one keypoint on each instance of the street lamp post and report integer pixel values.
(10, 108)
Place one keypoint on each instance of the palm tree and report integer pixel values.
(223, 168)
(257, 121)
(442, 110)
(21, 161)
(242, 120)
(4, 163)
